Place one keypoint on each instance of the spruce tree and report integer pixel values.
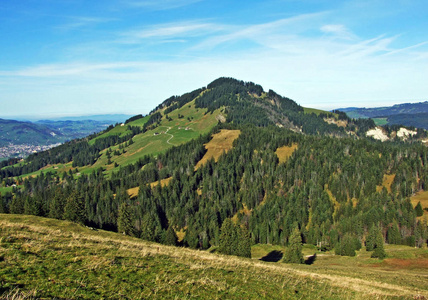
(124, 220)
(418, 209)
(170, 237)
(293, 253)
(74, 209)
(371, 237)
(347, 245)
(379, 251)
(393, 234)
(244, 242)
(228, 237)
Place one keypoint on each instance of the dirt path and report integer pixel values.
(166, 132)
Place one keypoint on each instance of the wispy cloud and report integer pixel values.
(338, 30)
(161, 4)
(172, 30)
(80, 22)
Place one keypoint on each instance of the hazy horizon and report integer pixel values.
(80, 57)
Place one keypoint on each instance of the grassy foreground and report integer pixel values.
(46, 258)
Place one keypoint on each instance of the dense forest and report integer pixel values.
(331, 188)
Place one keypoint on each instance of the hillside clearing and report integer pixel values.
(220, 142)
(423, 198)
(285, 152)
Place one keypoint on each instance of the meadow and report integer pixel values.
(47, 258)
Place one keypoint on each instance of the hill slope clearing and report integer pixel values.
(46, 258)
(221, 142)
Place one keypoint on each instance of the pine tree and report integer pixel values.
(379, 251)
(74, 209)
(393, 234)
(293, 253)
(418, 209)
(244, 242)
(124, 220)
(371, 238)
(170, 237)
(346, 246)
(228, 237)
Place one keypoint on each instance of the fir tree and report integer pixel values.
(418, 209)
(371, 238)
(170, 237)
(379, 251)
(228, 237)
(293, 253)
(124, 220)
(346, 246)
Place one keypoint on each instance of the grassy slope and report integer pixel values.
(221, 142)
(48, 258)
(168, 134)
(308, 110)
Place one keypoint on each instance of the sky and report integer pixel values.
(73, 57)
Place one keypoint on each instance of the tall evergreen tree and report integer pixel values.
(418, 209)
(170, 237)
(293, 253)
(75, 208)
(228, 238)
(125, 220)
(379, 251)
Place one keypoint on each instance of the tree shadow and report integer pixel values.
(273, 256)
(311, 259)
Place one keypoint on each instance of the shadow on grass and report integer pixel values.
(311, 259)
(273, 256)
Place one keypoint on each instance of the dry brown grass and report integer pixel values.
(423, 198)
(387, 182)
(133, 192)
(220, 142)
(285, 152)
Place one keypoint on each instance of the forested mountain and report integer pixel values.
(45, 132)
(17, 132)
(280, 169)
(408, 114)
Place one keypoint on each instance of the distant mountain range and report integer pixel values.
(408, 114)
(48, 132)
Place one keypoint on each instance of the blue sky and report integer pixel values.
(72, 57)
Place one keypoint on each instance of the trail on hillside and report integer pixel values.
(166, 132)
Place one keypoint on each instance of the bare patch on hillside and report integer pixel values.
(340, 123)
(133, 192)
(377, 133)
(285, 152)
(221, 142)
(423, 198)
(388, 179)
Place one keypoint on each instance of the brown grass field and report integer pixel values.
(221, 142)
(387, 182)
(133, 192)
(285, 152)
(423, 198)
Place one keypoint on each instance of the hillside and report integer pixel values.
(59, 259)
(16, 132)
(20, 139)
(408, 114)
(230, 166)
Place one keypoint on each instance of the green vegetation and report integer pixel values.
(339, 189)
(381, 121)
(293, 254)
(46, 258)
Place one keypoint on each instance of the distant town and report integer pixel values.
(23, 150)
